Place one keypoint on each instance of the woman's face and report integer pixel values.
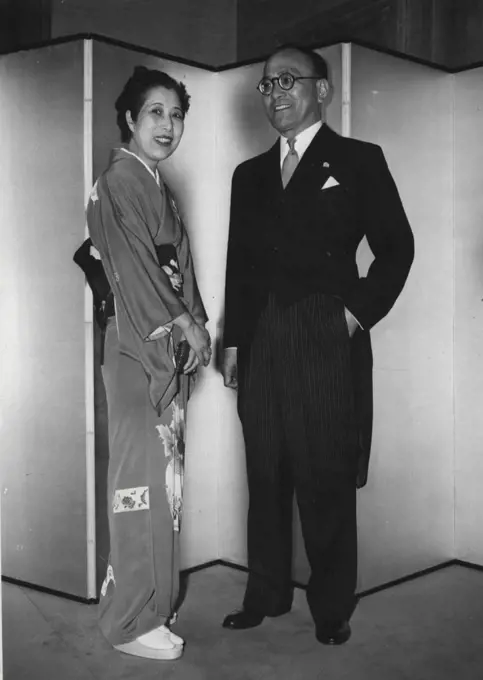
(159, 126)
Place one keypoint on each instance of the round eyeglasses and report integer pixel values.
(285, 80)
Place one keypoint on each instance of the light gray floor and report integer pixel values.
(428, 629)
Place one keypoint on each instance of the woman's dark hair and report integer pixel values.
(135, 92)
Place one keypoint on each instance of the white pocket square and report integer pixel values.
(331, 182)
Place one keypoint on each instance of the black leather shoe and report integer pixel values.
(244, 618)
(333, 634)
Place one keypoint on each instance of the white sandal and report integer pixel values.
(175, 639)
(157, 644)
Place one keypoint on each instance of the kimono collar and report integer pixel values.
(153, 174)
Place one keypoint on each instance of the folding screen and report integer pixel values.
(225, 125)
(406, 513)
(43, 422)
(468, 357)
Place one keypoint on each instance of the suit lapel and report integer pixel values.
(271, 175)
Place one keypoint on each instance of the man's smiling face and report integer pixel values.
(292, 111)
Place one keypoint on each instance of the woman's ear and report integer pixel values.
(130, 121)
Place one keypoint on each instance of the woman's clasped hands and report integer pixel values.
(199, 341)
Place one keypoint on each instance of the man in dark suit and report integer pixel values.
(297, 343)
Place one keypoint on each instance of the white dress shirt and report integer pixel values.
(302, 141)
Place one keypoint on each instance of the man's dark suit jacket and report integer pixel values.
(303, 240)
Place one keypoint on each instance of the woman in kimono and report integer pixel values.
(135, 226)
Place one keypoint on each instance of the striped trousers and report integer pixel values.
(296, 405)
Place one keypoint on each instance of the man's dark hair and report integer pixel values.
(319, 65)
(135, 91)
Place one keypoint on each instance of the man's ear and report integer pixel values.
(322, 89)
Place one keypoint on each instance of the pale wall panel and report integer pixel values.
(406, 512)
(42, 396)
(468, 369)
(242, 132)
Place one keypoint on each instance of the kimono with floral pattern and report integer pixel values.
(135, 227)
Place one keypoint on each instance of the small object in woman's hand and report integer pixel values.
(209, 352)
(181, 355)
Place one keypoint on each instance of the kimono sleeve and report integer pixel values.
(128, 225)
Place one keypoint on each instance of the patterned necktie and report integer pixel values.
(290, 162)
